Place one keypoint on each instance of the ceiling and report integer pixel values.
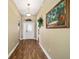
(24, 9)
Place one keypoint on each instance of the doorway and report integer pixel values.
(28, 30)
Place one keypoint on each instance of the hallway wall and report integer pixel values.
(54, 41)
(13, 16)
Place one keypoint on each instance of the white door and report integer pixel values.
(28, 30)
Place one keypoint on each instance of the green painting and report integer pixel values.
(56, 17)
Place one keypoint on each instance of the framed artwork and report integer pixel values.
(59, 15)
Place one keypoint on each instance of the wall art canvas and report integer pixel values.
(58, 17)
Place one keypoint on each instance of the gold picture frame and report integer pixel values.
(59, 15)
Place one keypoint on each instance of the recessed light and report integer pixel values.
(28, 14)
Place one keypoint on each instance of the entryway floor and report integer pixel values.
(28, 49)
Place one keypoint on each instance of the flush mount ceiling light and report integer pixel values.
(28, 14)
(28, 4)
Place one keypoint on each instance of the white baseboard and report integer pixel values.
(40, 46)
(13, 50)
(45, 51)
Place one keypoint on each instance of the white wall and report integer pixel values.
(54, 41)
(13, 16)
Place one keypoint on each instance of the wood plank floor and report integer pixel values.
(28, 49)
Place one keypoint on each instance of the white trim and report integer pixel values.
(40, 46)
(13, 50)
(45, 51)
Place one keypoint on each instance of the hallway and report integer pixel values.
(28, 49)
(46, 21)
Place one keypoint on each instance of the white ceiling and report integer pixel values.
(24, 8)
